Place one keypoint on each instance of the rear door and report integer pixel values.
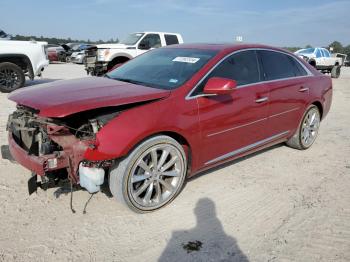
(289, 91)
(232, 124)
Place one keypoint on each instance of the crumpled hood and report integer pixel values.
(63, 98)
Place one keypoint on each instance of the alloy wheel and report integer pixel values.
(156, 176)
(9, 78)
(310, 127)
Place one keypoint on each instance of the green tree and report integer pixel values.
(337, 47)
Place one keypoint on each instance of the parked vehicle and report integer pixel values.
(19, 59)
(78, 56)
(70, 48)
(56, 53)
(322, 60)
(104, 57)
(166, 116)
(341, 56)
(3, 35)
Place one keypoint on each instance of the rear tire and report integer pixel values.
(11, 77)
(151, 176)
(307, 131)
(335, 72)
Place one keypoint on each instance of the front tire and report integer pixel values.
(307, 131)
(335, 72)
(151, 176)
(11, 77)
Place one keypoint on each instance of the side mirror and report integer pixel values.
(219, 86)
(144, 45)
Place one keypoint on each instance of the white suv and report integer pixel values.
(19, 59)
(105, 57)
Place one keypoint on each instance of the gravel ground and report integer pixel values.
(277, 205)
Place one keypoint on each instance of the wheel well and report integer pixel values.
(117, 60)
(320, 107)
(313, 63)
(182, 141)
(179, 138)
(22, 61)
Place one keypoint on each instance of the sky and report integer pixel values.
(275, 22)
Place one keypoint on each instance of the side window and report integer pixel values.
(242, 67)
(298, 68)
(276, 65)
(151, 41)
(171, 39)
(318, 53)
(326, 53)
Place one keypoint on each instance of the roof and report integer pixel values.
(225, 47)
(155, 32)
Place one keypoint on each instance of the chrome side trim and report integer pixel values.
(236, 127)
(309, 73)
(284, 112)
(246, 148)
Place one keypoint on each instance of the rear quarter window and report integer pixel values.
(276, 65)
(171, 40)
(299, 70)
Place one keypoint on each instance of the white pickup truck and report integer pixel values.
(19, 59)
(102, 58)
(322, 60)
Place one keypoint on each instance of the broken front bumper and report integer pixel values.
(37, 164)
(69, 158)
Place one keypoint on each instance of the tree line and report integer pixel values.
(60, 41)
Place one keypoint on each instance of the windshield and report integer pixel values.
(132, 39)
(306, 51)
(164, 68)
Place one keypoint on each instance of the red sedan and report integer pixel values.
(165, 116)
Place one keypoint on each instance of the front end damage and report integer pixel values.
(54, 149)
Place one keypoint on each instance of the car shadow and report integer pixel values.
(232, 162)
(6, 154)
(207, 241)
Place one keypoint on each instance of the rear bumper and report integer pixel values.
(37, 164)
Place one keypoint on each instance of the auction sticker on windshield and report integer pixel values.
(184, 59)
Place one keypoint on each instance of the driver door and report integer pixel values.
(149, 42)
(234, 123)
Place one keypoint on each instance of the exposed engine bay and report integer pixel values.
(58, 145)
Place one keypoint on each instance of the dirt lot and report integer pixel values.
(277, 205)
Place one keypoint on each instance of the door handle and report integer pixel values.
(304, 89)
(261, 100)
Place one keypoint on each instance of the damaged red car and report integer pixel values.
(165, 116)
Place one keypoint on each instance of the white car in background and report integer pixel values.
(105, 57)
(19, 59)
(322, 60)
